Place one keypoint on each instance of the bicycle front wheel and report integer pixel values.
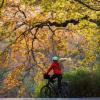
(64, 90)
(45, 92)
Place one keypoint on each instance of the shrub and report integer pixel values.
(38, 88)
(83, 82)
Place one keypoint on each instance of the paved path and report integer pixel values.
(49, 98)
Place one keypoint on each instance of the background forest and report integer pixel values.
(32, 31)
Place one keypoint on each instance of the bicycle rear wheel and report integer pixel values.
(64, 90)
(45, 92)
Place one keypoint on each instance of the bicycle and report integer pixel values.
(51, 89)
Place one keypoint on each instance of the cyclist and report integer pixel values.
(57, 70)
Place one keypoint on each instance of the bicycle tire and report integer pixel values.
(45, 92)
(64, 90)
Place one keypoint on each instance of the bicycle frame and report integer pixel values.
(51, 85)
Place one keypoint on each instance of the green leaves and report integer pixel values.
(28, 1)
(83, 82)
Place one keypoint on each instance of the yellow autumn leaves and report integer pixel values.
(10, 81)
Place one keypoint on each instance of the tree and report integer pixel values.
(31, 32)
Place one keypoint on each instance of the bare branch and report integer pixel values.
(19, 10)
(22, 12)
(19, 26)
(52, 37)
(86, 5)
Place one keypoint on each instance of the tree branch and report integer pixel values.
(88, 6)
(2, 4)
(66, 22)
(52, 37)
(16, 27)
(22, 12)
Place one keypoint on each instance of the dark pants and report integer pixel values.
(59, 77)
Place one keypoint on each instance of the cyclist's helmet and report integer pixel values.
(55, 58)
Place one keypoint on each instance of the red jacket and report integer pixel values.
(55, 67)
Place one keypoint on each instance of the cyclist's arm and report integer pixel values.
(64, 59)
(50, 68)
(62, 66)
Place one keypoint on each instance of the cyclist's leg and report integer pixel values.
(53, 77)
(59, 81)
(59, 76)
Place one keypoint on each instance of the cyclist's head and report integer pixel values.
(55, 58)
